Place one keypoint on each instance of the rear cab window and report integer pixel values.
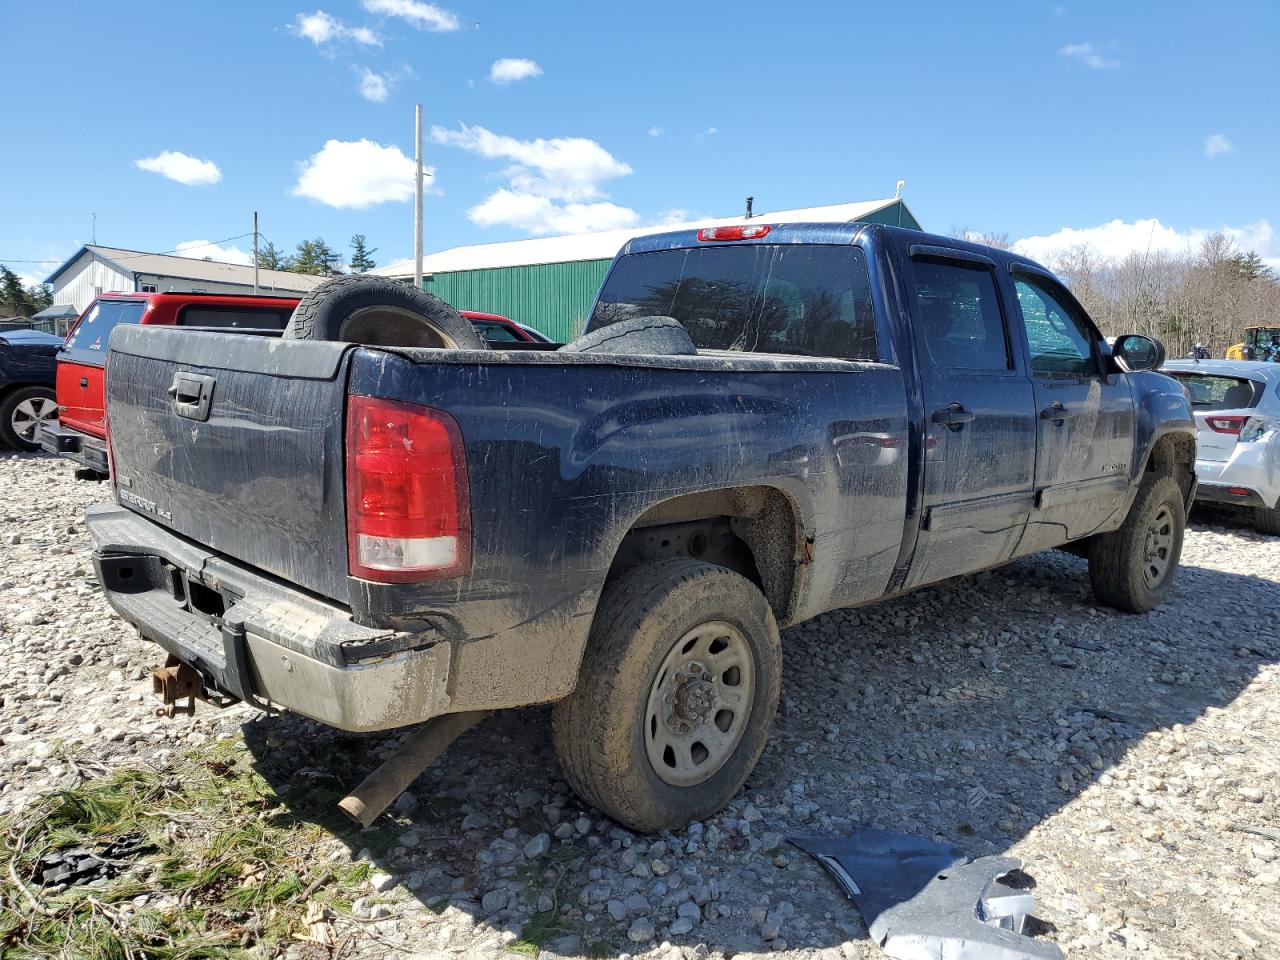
(811, 300)
(1219, 392)
(254, 318)
(88, 340)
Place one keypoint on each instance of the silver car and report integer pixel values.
(1237, 410)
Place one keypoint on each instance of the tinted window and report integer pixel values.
(1059, 340)
(811, 300)
(1210, 392)
(88, 341)
(215, 316)
(959, 310)
(495, 332)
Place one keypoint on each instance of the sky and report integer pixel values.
(1128, 126)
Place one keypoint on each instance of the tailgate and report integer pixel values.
(235, 442)
(80, 400)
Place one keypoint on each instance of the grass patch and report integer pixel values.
(222, 863)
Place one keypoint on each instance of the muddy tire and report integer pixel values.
(676, 695)
(380, 312)
(1267, 520)
(22, 411)
(1133, 568)
(651, 336)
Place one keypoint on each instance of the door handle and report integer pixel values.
(1055, 412)
(953, 416)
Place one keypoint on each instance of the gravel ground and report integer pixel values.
(1131, 762)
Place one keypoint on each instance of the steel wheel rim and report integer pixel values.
(390, 326)
(30, 414)
(699, 704)
(1157, 549)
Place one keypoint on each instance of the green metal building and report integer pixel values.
(550, 283)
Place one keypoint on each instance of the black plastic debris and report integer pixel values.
(76, 866)
(923, 900)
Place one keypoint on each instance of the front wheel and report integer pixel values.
(1133, 568)
(23, 412)
(676, 695)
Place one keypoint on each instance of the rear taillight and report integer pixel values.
(752, 231)
(1225, 424)
(408, 509)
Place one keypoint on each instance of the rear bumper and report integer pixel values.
(88, 451)
(258, 639)
(1253, 467)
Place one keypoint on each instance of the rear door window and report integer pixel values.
(959, 311)
(88, 341)
(1210, 392)
(259, 318)
(802, 299)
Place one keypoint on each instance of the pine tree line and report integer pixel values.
(317, 257)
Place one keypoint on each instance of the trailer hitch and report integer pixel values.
(173, 682)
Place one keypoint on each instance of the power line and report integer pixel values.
(137, 254)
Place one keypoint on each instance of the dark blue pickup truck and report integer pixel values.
(761, 423)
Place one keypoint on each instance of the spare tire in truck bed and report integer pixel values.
(660, 336)
(380, 312)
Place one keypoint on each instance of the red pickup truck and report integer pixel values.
(80, 432)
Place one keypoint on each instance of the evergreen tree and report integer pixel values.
(361, 256)
(271, 257)
(316, 257)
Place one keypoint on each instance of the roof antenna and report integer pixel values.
(750, 201)
(897, 194)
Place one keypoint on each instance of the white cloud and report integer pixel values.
(321, 28)
(562, 168)
(656, 131)
(540, 215)
(425, 15)
(1117, 239)
(553, 186)
(374, 86)
(356, 175)
(1089, 55)
(511, 69)
(1216, 144)
(204, 250)
(181, 167)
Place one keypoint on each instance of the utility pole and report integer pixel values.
(94, 232)
(255, 253)
(417, 201)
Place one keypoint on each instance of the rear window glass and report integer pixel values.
(1210, 392)
(495, 332)
(808, 300)
(252, 317)
(88, 341)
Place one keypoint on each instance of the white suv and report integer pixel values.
(1237, 410)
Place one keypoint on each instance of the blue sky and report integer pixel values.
(1136, 123)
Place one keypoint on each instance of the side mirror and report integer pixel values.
(1136, 352)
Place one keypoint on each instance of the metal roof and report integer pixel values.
(59, 311)
(604, 245)
(186, 268)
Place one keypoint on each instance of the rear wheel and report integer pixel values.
(1133, 568)
(23, 412)
(1267, 520)
(676, 694)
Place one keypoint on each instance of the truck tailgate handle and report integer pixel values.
(191, 395)
(953, 416)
